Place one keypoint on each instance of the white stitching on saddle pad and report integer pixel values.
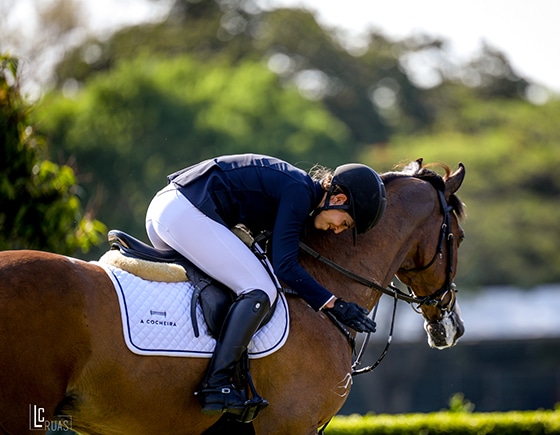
(156, 319)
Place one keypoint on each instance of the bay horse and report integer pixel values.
(62, 350)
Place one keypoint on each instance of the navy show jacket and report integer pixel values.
(263, 193)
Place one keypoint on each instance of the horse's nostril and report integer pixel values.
(436, 330)
(436, 333)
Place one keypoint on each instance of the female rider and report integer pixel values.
(194, 213)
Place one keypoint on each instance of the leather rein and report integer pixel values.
(435, 299)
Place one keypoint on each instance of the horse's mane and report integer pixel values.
(417, 170)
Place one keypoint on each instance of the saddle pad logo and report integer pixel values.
(156, 319)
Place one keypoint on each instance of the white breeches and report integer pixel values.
(173, 222)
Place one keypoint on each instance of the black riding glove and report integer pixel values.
(352, 315)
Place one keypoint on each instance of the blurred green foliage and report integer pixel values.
(218, 77)
(293, 44)
(127, 129)
(459, 405)
(39, 207)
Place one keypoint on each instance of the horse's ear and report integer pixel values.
(454, 181)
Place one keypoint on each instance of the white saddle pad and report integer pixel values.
(156, 319)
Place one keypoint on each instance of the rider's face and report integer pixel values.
(334, 219)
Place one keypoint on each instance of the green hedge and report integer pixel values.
(517, 422)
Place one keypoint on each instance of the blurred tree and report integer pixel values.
(373, 88)
(370, 92)
(367, 90)
(127, 129)
(39, 207)
(493, 76)
(207, 29)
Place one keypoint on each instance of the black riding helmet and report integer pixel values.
(365, 192)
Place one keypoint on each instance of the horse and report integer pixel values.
(63, 352)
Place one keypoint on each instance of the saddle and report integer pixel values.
(214, 297)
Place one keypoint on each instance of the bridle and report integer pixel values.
(436, 299)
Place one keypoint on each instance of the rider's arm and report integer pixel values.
(293, 210)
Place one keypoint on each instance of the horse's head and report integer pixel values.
(431, 262)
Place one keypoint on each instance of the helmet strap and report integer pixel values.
(327, 204)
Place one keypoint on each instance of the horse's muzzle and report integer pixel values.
(446, 332)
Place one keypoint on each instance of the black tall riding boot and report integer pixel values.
(218, 394)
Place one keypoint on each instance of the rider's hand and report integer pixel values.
(352, 315)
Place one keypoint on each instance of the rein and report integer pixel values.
(391, 290)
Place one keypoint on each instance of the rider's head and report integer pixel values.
(358, 192)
